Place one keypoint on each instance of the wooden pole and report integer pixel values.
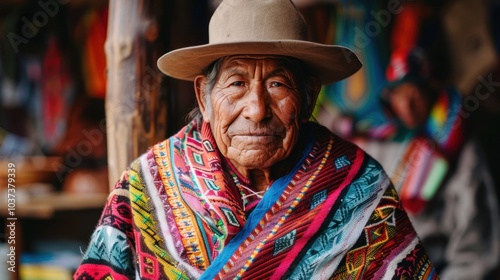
(136, 110)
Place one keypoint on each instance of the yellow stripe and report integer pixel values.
(140, 210)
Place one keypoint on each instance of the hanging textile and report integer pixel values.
(357, 96)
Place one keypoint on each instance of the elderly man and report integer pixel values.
(250, 188)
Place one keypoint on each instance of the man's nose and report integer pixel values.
(257, 104)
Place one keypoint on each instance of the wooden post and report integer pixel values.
(136, 110)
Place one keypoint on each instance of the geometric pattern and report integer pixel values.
(284, 242)
(150, 267)
(231, 218)
(176, 210)
(341, 162)
(388, 237)
(317, 198)
(208, 146)
(198, 158)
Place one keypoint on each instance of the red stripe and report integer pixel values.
(318, 221)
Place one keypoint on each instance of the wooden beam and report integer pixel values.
(136, 109)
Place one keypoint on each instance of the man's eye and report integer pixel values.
(276, 84)
(238, 84)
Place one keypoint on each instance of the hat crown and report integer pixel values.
(260, 27)
(256, 20)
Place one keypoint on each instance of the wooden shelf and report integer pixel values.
(44, 207)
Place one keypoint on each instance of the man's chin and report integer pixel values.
(256, 142)
(255, 159)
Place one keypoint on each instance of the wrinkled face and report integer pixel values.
(253, 110)
(410, 104)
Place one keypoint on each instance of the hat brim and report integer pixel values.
(330, 63)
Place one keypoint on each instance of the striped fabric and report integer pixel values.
(177, 213)
(419, 174)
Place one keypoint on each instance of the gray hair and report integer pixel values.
(301, 73)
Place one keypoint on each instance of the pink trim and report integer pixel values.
(98, 271)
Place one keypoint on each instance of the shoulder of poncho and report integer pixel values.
(179, 136)
(324, 132)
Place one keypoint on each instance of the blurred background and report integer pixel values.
(80, 97)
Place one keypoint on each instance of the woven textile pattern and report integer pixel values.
(177, 210)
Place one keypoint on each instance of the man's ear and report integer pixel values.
(200, 83)
(314, 84)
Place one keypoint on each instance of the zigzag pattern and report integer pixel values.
(110, 245)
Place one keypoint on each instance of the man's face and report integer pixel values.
(253, 110)
(410, 104)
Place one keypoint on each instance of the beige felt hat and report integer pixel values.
(249, 27)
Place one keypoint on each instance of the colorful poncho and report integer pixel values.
(178, 214)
